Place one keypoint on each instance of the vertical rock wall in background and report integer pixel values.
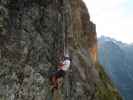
(32, 41)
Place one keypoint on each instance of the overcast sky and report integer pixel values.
(113, 18)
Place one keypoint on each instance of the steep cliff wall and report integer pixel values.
(84, 30)
(31, 43)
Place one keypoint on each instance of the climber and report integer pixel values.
(61, 71)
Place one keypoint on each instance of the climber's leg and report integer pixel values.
(56, 78)
(60, 75)
(53, 80)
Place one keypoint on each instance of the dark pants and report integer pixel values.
(59, 73)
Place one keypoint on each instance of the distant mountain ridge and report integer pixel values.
(117, 59)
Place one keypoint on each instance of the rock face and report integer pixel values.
(31, 43)
(81, 24)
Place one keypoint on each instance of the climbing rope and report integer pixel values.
(65, 32)
(57, 92)
(66, 44)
